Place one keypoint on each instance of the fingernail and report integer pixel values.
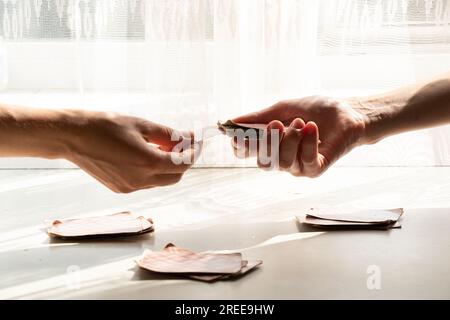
(305, 130)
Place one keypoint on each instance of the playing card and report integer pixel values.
(369, 216)
(367, 219)
(246, 267)
(213, 277)
(251, 130)
(118, 224)
(203, 134)
(178, 260)
(333, 224)
(207, 267)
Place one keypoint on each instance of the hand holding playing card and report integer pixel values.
(300, 152)
(126, 153)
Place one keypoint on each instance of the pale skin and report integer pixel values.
(128, 153)
(316, 131)
(123, 153)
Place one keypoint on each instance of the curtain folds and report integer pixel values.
(188, 63)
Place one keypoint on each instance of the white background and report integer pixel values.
(192, 63)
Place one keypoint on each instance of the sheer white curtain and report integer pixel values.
(188, 63)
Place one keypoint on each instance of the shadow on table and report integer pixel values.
(52, 257)
(102, 239)
(146, 275)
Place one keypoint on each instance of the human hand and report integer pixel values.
(300, 152)
(126, 153)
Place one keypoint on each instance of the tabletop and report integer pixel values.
(245, 210)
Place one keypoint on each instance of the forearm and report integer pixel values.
(30, 132)
(410, 108)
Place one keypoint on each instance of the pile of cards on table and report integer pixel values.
(364, 219)
(118, 224)
(251, 130)
(200, 266)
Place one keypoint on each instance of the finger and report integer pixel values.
(176, 162)
(240, 149)
(289, 144)
(268, 146)
(310, 150)
(162, 135)
(244, 148)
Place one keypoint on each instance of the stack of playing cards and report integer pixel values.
(200, 266)
(365, 219)
(118, 224)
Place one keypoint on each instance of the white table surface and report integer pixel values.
(230, 209)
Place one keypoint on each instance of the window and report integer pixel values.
(188, 63)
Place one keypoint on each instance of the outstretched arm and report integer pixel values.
(112, 148)
(413, 107)
(343, 124)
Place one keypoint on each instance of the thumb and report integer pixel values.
(163, 136)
